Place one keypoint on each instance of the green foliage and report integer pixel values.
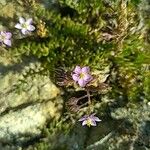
(95, 33)
(99, 33)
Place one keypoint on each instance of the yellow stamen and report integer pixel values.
(89, 122)
(82, 75)
(24, 26)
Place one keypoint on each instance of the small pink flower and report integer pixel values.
(5, 38)
(82, 75)
(25, 25)
(89, 120)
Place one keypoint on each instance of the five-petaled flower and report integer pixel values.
(89, 120)
(25, 25)
(82, 75)
(5, 38)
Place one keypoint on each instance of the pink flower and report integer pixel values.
(89, 120)
(25, 25)
(82, 75)
(5, 38)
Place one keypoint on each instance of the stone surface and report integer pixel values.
(127, 129)
(28, 99)
(24, 124)
(17, 87)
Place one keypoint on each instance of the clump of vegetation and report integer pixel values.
(99, 34)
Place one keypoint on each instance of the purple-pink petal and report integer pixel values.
(7, 42)
(93, 122)
(93, 117)
(82, 75)
(77, 70)
(24, 31)
(89, 120)
(84, 122)
(87, 77)
(75, 77)
(96, 119)
(85, 69)
(8, 35)
(81, 82)
(83, 118)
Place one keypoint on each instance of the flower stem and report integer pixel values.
(89, 98)
(89, 101)
(83, 105)
(84, 97)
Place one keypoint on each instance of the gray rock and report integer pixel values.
(25, 124)
(20, 84)
(28, 99)
(127, 129)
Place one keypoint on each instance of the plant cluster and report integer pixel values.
(96, 33)
(82, 79)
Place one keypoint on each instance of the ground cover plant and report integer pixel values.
(97, 53)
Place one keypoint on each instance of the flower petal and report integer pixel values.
(83, 118)
(81, 82)
(93, 123)
(21, 20)
(87, 77)
(7, 42)
(30, 27)
(24, 31)
(8, 35)
(29, 21)
(85, 69)
(18, 26)
(77, 70)
(93, 117)
(84, 122)
(96, 119)
(75, 77)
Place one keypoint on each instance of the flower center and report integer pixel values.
(82, 75)
(88, 122)
(24, 25)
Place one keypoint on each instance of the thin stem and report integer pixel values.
(88, 95)
(84, 96)
(89, 98)
(89, 101)
(83, 104)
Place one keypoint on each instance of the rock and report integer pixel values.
(18, 87)
(127, 129)
(28, 99)
(25, 124)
